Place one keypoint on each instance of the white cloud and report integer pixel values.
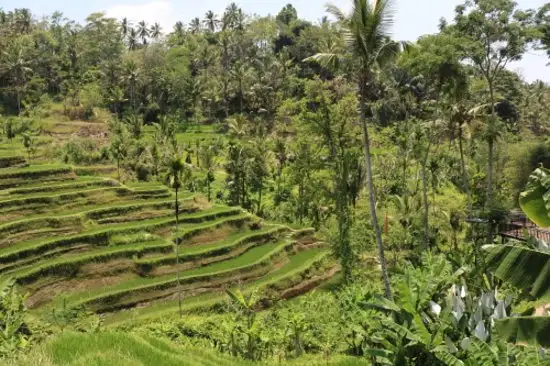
(161, 11)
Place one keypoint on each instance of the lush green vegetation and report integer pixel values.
(253, 189)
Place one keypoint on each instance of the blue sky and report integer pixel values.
(413, 17)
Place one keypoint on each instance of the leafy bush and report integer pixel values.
(14, 332)
(82, 151)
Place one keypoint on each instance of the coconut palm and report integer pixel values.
(238, 126)
(178, 174)
(143, 31)
(179, 30)
(366, 31)
(241, 73)
(119, 150)
(155, 31)
(125, 27)
(132, 39)
(208, 157)
(16, 66)
(195, 26)
(211, 21)
(230, 16)
(130, 76)
(23, 20)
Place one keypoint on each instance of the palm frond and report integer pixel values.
(336, 12)
(330, 61)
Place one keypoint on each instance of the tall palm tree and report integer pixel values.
(130, 75)
(230, 16)
(155, 31)
(143, 31)
(366, 31)
(178, 174)
(208, 157)
(125, 27)
(23, 20)
(16, 66)
(211, 21)
(195, 26)
(241, 73)
(179, 30)
(132, 39)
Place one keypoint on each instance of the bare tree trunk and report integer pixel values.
(489, 202)
(260, 195)
(426, 206)
(489, 198)
(118, 168)
(178, 254)
(18, 101)
(464, 174)
(372, 193)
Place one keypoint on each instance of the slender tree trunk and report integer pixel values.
(118, 168)
(426, 206)
(133, 91)
(208, 188)
(241, 95)
(18, 101)
(489, 202)
(490, 142)
(178, 254)
(260, 196)
(372, 193)
(464, 174)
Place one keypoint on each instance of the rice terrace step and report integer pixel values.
(110, 247)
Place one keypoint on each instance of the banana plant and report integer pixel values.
(245, 306)
(527, 268)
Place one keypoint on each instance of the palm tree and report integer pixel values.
(195, 26)
(179, 31)
(230, 16)
(119, 150)
(241, 73)
(125, 27)
(132, 39)
(208, 158)
(16, 66)
(23, 20)
(178, 174)
(143, 31)
(156, 31)
(130, 75)
(211, 21)
(238, 126)
(116, 99)
(366, 31)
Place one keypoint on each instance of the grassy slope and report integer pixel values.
(124, 349)
(248, 259)
(296, 265)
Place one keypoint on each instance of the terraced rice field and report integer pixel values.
(110, 247)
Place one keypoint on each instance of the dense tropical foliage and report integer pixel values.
(406, 158)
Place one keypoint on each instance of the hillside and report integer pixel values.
(112, 348)
(244, 188)
(95, 243)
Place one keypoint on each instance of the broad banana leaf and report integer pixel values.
(521, 266)
(535, 200)
(525, 329)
